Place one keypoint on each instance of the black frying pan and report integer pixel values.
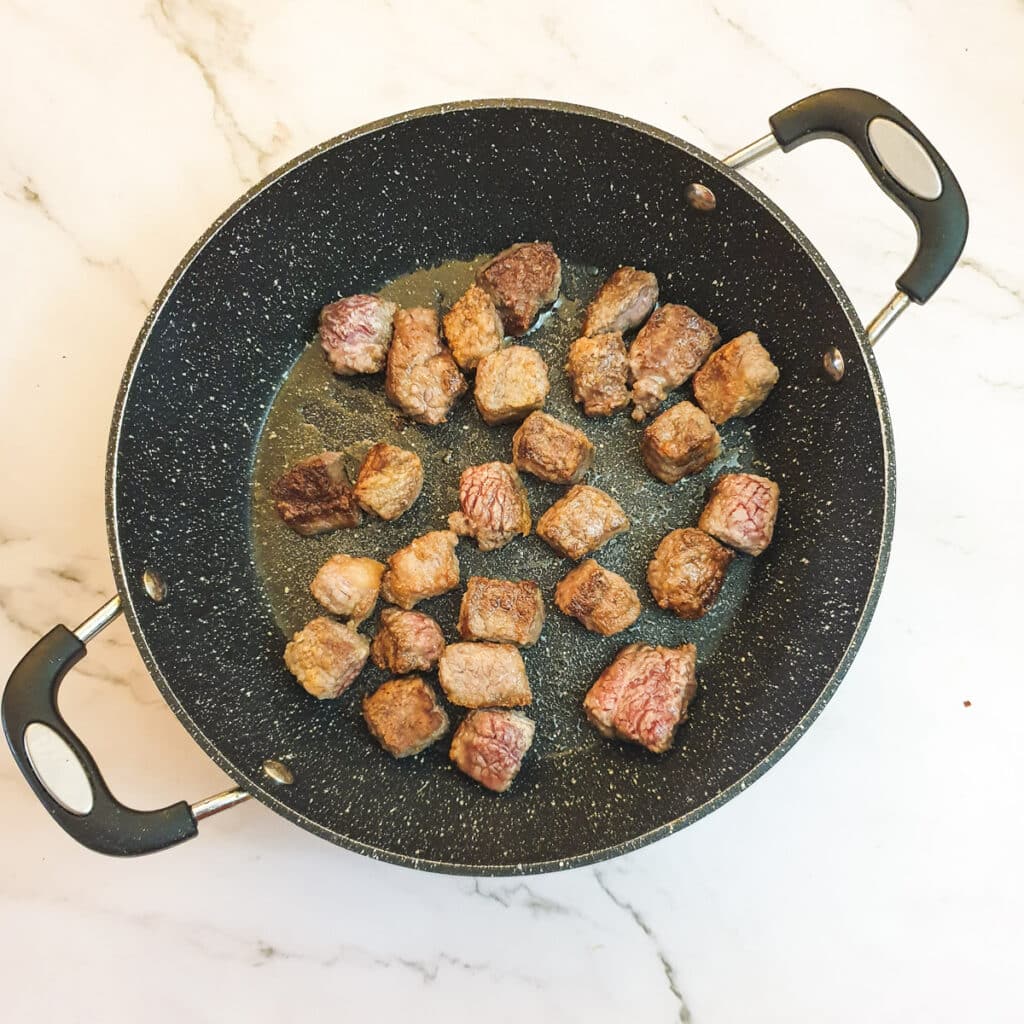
(419, 190)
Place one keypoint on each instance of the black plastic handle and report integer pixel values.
(109, 827)
(941, 223)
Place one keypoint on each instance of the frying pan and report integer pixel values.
(204, 600)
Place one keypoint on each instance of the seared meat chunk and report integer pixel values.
(521, 280)
(389, 481)
(406, 642)
(501, 610)
(493, 503)
(623, 302)
(325, 657)
(314, 496)
(599, 371)
(426, 567)
(741, 511)
(422, 378)
(582, 521)
(348, 586)
(680, 442)
(355, 333)
(404, 716)
(643, 694)
(601, 599)
(489, 746)
(687, 572)
(484, 675)
(510, 383)
(551, 450)
(669, 348)
(473, 328)
(736, 379)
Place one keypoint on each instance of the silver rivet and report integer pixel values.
(700, 197)
(154, 584)
(835, 365)
(279, 772)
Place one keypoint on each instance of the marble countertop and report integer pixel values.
(874, 874)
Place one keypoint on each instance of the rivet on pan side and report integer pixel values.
(835, 365)
(278, 772)
(700, 197)
(154, 584)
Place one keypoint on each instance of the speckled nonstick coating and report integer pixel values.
(415, 191)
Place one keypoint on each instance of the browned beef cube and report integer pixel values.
(510, 384)
(484, 675)
(643, 694)
(325, 657)
(355, 333)
(582, 521)
(680, 442)
(473, 328)
(599, 598)
(501, 610)
(426, 567)
(522, 280)
(314, 496)
(551, 450)
(599, 372)
(741, 511)
(422, 378)
(493, 505)
(687, 571)
(669, 348)
(389, 481)
(348, 586)
(736, 379)
(489, 746)
(404, 716)
(406, 642)
(623, 302)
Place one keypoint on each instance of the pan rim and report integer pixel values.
(251, 783)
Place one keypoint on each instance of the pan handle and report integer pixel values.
(61, 770)
(906, 166)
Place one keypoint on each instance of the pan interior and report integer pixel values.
(227, 389)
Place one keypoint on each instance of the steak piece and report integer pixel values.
(348, 586)
(599, 598)
(422, 378)
(404, 716)
(484, 675)
(473, 328)
(687, 571)
(669, 348)
(501, 610)
(493, 505)
(741, 511)
(406, 642)
(736, 379)
(355, 333)
(510, 384)
(426, 567)
(579, 523)
(521, 280)
(551, 450)
(599, 372)
(680, 442)
(489, 746)
(389, 481)
(643, 694)
(314, 496)
(325, 657)
(623, 302)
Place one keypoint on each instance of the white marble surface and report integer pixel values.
(873, 875)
